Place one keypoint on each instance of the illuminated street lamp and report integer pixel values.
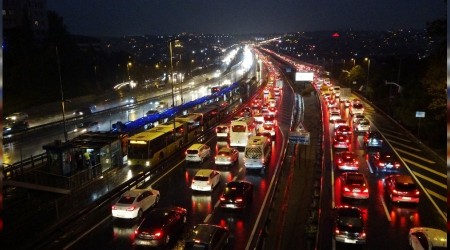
(171, 69)
(354, 61)
(368, 71)
(128, 70)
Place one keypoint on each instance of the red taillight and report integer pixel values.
(158, 234)
(381, 164)
(417, 192)
(136, 231)
(346, 189)
(336, 231)
(356, 162)
(229, 158)
(239, 200)
(222, 198)
(131, 208)
(397, 165)
(366, 190)
(114, 208)
(394, 191)
(185, 152)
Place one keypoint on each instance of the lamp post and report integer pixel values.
(171, 74)
(128, 70)
(368, 72)
(354, 61)
(62, 95)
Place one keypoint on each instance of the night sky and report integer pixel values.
(158, 17)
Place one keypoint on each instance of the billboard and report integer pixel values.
(304, 76)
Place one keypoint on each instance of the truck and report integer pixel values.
(345, 94)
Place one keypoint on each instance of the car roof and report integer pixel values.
(204, 172)
(438, 238)
(196, 146)
(403, 179)
(225, 149)
(204, 232)
(349, 211)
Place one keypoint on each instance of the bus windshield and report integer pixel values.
(238, 128)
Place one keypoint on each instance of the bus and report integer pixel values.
(152, 146)
(194, 124)
(210, 115)
(257, 152)
(240, 130)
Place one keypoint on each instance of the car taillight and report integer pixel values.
(395, 191)
(397, 165)
(131, 208)
(239, 200)
(229, 158)
(158, 234)
(114, 208)
(262, 160)
(185, 152)
(381, 164)
(366, 190)
(417, 192)
(346, 189)
(336, 231)
(136, 231)
(356, 162)
(222, 198)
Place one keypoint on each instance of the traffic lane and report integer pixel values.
(175, 189)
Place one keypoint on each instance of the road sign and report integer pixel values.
(420, 114)
(299, 137)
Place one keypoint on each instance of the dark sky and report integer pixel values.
(139, 17)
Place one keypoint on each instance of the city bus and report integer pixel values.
(257, 152)
(150, 147)
(194, 123)
(240, 130)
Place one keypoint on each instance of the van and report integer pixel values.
(205, 180)
(206, 236)
(222, 130)
(197, 152)
(257, 152)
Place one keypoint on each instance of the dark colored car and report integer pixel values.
(343, 130)
(373, 139)
(237, 194)
(15, 127)
(347, 161)
(83, 111)
(341, 141)
(401, 188)
(160, 225)
(206, 236)
(385, 161)
(349, 225)
(152, 112)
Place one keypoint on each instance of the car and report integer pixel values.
(197, 152)
(373, 139)
(82, 111)
(207, 236)
(356, 117)
(226, 156)
(341, 141)
(361, 125)
(349, 225)
(130, 100)
(276, 91)
(237, 194)
(223, 130)
(347, 161)
(87, 126)
(354, 185)
(133, 203)
(266, 134)
(266, 90)
(160, 226)
(339, 122)
(401, 189)
(16, 117)
(426, 238)
(268, 128)
(15, 127)
(272, 111)
(343, 130)
(334, 109)
(332, 104)
(272, 102)
(335, 115)
(337, 91)
(152, 112)
(247, 112)
(356, 108)
(385, 161)
(205, 180)
(270, 120)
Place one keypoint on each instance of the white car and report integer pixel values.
(362, 125)
(134, 202)
(339, 122)
(425, 238)
(205, 180)
(335, 116)
(357, 117)
(270, 128)
(356, 108)
(197, 152)
(226, 156)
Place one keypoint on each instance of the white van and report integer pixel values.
(240, 130)
(222, 130)
(257, 152)
(197, 152)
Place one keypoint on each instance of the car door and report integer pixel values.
(144, 200)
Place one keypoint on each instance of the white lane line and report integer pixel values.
(425, 168)
(68, 246)
(406, 146)
(385, 208)
(217, 204)
(370, 168)
(395, 132)
(207, 218)
(413, 155)
(440, 197)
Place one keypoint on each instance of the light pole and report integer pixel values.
(368, 72)
(128, 70)
(171, 74)
(62, 95)
(354, 62)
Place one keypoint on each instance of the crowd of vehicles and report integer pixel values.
(399, 189)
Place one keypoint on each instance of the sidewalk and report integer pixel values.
(295, 209)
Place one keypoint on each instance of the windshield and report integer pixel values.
(201, 178)
(126, 200)
(238, 128)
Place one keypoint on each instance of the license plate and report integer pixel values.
(349, 241)
(229, 205)
(406, 198)
(356, 190)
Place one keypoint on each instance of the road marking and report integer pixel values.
(395, 137)
(207, 218)
(235, 178)
(385, 208)
(217, 204)
(406, 146)
(333, 202)
(395, 132)
(430, 180)
(440, 197)
(370, 168)
(418, 157)
(85, 233)
(426, 168)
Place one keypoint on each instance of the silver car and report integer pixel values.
(226, 156)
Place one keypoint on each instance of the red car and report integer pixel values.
(343, 130)
(401, 188)
(341, 141)
(385, 161)
(354, 185)
(347, 161)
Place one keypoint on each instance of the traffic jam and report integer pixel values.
(354, 140)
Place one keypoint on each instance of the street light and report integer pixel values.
(354, 61)
(368, 71)
(171, 69)
(128, 70)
